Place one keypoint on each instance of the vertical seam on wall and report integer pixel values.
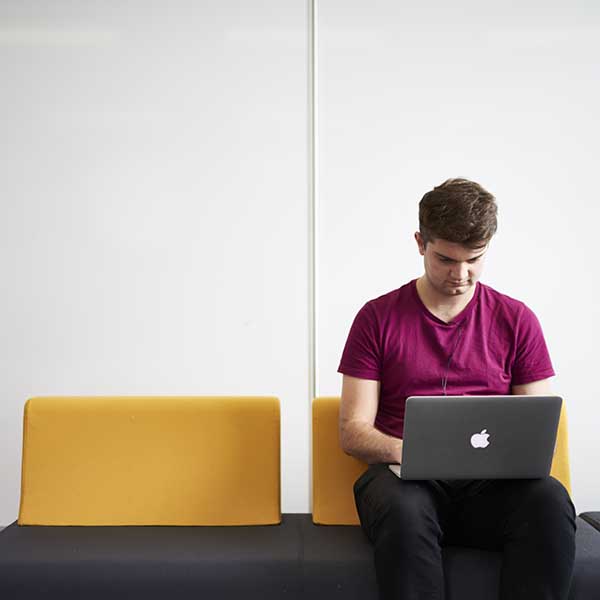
(312, 226)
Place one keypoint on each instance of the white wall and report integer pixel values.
(154, 209)
(505, 94)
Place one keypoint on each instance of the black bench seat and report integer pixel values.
(296, 559)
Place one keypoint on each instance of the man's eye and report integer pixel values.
(448, 260)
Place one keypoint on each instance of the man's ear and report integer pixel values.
(420, 243)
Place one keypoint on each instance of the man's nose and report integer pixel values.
(460, 272)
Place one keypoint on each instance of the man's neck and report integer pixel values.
(441, 304)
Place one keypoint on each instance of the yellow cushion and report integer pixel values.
(334, 472)
(560, 464)
(151, 461)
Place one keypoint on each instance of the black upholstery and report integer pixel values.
(593, 518)
(296, 559)
(114, 563)
(586, 575)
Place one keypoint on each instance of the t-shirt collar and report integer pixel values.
(464, 313)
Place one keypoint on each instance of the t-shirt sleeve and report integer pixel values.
(361, 355)
(532, 360)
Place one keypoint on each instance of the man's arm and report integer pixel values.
(535, 388)
(358, 436)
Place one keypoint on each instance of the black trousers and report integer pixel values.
(532, 521)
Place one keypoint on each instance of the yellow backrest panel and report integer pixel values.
(560, 464)
(151, 461)
(334, 472)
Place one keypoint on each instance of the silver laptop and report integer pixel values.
(479, 437)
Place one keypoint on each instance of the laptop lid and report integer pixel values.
(479, 437)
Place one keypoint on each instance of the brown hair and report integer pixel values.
(458, 211)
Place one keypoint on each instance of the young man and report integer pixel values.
(448, 334)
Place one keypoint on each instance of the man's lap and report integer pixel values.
(479, 513)
(488, 518)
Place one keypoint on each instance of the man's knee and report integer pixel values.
(549, 497)
(397, 510)
(547, 506)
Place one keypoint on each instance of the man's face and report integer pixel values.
(451, 269)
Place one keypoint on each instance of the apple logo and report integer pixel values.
(480, 440)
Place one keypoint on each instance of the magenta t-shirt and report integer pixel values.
(394, 339)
